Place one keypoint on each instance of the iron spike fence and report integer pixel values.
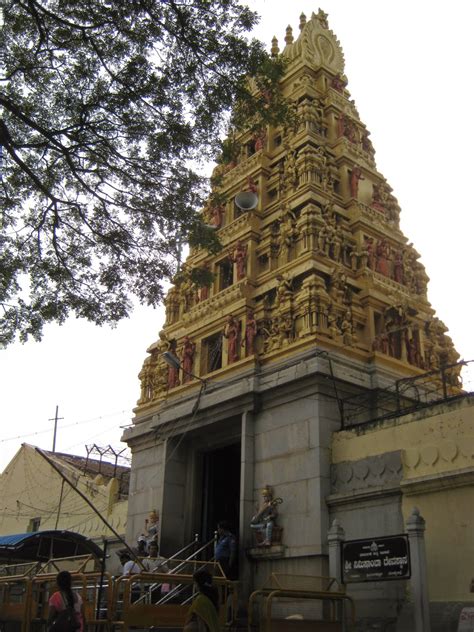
(409, 394)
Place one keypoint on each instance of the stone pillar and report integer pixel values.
(336, 537)
(415, 526)
(252, 263)
(175, 499)
(247, 460)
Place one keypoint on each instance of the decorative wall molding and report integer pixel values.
(444, 455)
(375, 471)
(438, 482)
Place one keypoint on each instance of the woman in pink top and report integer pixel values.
(65, 598)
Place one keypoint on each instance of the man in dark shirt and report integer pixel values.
(226, 550)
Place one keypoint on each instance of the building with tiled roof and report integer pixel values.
(34, 495)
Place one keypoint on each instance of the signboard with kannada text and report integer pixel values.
(466, 620)
(376, 559)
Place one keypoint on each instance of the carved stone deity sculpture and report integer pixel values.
(217, 214)
(260, 139)
(250, 334)
(251, 185)
(187, 358)
(263, 522)
(338, 83)
(272, 336)
(288, 233)
(187, 293)
(356, 175)
(286, 329)
(369, 248)
(382, 254)
(330, 232)
(332, 323)
(380, 343)
(322, 238)
(379, 197)
(284, 289)
(347, 329)
(310, 114)
(337, 284)
(152, 523)
(231, 332)
(367, 144)
(172, 305)
(146, 381)
(203, 293)
(350, 131)
(288, 174)
(341, 124)
(173, 372)
(239, 257)
(398, 267)
(160, 380)
(345, 127)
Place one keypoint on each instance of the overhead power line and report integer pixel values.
(76, 423)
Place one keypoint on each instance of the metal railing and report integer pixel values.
(409, 394)
(186, 566)
(292, 591)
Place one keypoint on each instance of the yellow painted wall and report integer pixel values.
(449, 540)
(30, 488)
(438, 477)
(430, 442)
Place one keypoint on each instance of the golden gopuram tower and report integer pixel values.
(315, 328)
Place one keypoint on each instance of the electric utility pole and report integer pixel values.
(55, 419)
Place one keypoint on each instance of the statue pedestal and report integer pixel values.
(266, 552)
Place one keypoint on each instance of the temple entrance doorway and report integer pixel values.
(221, 489)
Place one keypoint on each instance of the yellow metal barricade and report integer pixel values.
(119, 603)
(296, 589)
(15, 596)
(139, 601)
(90, 586)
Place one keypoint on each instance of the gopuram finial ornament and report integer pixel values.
(322, 19)
(275, 48)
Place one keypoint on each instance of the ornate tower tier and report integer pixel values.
(318, 261)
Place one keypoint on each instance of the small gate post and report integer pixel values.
(415, 528)
(336, 535)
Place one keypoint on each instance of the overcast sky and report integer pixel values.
(409, 66)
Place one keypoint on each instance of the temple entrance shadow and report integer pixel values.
(221, 489)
